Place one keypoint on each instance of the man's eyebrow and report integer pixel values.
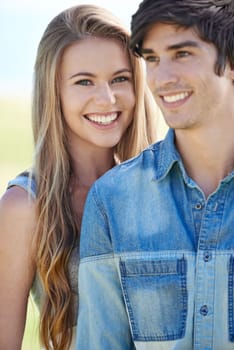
(181, 45)
(145, 51)
(187, 43)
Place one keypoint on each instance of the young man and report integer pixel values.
(157, 246)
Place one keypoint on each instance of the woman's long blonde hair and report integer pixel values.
(57, 232)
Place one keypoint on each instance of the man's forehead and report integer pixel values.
(167, 34)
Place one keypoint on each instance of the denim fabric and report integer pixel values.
(149, 280)
(157, 259)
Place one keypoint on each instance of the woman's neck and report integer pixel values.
(87, 166)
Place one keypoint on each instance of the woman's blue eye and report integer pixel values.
(84, 82)
(120, 79)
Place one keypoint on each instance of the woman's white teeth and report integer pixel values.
(175, 98)
(103, 119)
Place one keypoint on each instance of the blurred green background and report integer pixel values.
(15, 156)
(15, 137)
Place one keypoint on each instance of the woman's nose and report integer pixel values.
(105, 95)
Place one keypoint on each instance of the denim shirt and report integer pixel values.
(157, 259)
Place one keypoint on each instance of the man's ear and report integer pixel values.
(231, 72)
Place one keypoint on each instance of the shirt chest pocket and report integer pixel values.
(155, 295)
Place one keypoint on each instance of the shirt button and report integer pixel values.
(198, 206)
(204, 310)
(207, 256)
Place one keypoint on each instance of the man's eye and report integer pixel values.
(151, 59)
(181, 54)
(84, 82)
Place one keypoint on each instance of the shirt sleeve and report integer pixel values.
(102, 319)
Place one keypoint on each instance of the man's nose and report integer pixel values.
(163, 75)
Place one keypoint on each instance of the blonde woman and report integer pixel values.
(91, 110)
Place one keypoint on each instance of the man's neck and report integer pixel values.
(207, 157)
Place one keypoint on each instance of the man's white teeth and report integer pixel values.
(175, 98)
(103, 119)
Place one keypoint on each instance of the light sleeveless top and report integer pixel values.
(28, 184)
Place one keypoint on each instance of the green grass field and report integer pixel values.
(15, 156)
(16, 138)
(31, 338)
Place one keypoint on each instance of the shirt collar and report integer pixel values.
(167, 156)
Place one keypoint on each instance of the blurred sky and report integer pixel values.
(22, 23)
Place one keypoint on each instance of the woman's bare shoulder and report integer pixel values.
(17, 201)
(17, 263)
(17, 215)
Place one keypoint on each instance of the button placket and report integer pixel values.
(198, 206)
(207, 256)
(204, 310)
